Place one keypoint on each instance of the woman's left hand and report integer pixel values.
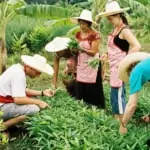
(48, 93)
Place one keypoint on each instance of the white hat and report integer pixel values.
(57, 44)
(112, 8)
(127, 61)
(38, 63)
(85, 15)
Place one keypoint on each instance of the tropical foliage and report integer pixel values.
(70, 124)
(73, 125)
(6, 13)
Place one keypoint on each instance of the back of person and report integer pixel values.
(11, 75)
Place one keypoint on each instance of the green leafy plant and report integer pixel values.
(94, 62)
(68, 125)
(19, 45)
(73, 45)
(3, 137)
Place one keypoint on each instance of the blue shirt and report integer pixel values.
(139, 75)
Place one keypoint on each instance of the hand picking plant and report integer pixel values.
(93, 62)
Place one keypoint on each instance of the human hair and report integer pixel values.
(88, 22)
(124, 19)
(67, 53)
(122, 16)
(131, 67)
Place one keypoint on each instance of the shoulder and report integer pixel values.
(78, 35)
(17, 71)
(95, 35)
(125, 30)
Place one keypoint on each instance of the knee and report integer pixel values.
(132, 106)
(33, 109)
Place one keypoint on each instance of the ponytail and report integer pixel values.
(124, 19)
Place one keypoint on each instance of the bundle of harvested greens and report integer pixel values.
(94, 62)
(73, 45)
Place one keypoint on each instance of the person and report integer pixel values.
(16, 100)
(88, 80)
(59, 45)
(135, 68)
(120, 43)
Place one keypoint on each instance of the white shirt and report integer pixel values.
(13, 82)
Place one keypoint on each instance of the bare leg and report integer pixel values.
(14, 121)
(130, 108)
(129, 111)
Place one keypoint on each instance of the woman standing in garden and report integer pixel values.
(120, 43)
(88, 81)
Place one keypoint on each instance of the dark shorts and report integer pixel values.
(118, 101)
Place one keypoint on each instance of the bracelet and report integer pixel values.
(42, 93)
(123, 124)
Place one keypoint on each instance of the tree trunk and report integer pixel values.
(3, 50)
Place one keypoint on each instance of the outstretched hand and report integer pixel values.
(48, 93)
(43, 105)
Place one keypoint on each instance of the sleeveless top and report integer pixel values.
(115, 55)
(121, 43)
(86, 73)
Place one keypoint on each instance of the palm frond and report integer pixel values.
(46, 11)
(73, 31)
(60, 22)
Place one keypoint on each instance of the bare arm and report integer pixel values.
(129, 111)
(26, 100)
(46, 92)
(94, 49)
(134, 43)
(56, 70)
(130, 108)
(30, 92)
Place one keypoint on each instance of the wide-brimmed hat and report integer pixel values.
(38, 63)
(129, 60)
(112, 8)
(85, 15)
(57, 44)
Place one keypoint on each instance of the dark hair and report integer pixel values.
(88, 22)
(131, 67)
(122, 16)
(124, 19)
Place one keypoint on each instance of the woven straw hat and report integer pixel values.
(127, 61)
(112, 8)
(38, 63)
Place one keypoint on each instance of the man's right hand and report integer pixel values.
(43, 104)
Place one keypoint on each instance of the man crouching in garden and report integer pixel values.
(15, 100)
